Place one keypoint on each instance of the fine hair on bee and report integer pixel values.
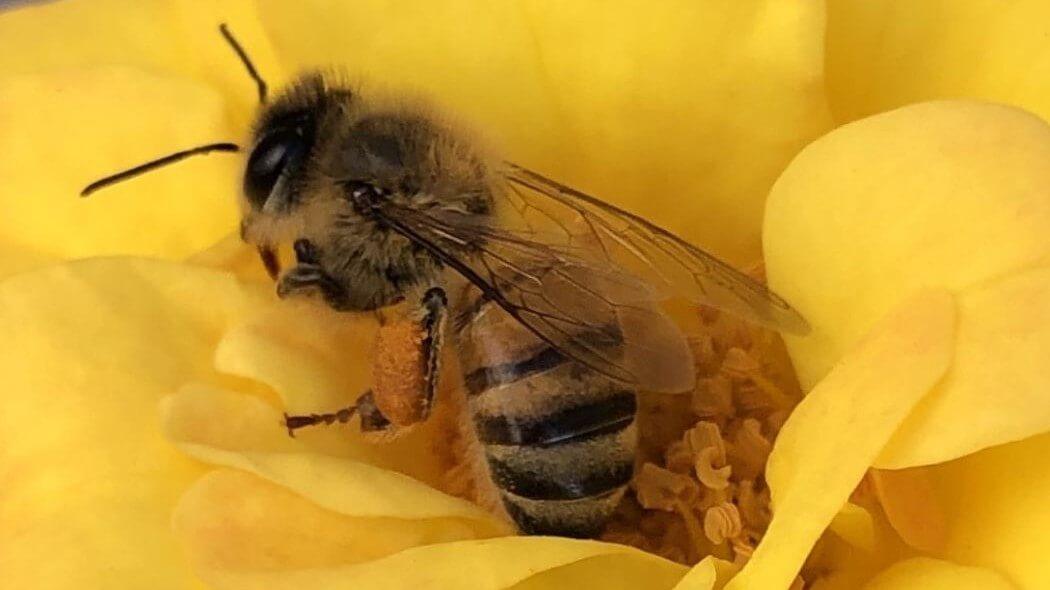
(549, 296)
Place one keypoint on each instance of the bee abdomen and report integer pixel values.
(607, 414)
(559, 438)
(559, 441)
(567, 458)
(569, 488)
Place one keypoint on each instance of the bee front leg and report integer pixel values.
(406, 380)
(307, 277)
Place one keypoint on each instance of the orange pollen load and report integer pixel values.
(399, 376)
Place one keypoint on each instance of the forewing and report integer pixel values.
(643, 249)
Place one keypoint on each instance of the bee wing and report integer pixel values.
(595, 314)
(648, 251)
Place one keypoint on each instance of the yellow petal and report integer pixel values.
(949, 194)
(89, 483)
(886, 54)
(63, 130)
(710, 574)
(996, 502)
(313, 357)
(232, 254)
(684, 111)
(609, 572)
(351, 487)
(178, 37)
(242, 431)
(492, 564)
(234, 520)
(837, 562)
(924, 573)
(835, 433)
(996, 389)
(65, 121)
(225, 419)
(944, 193)
(318, 360)
(855, 526)
(289, 508)
(912, 507)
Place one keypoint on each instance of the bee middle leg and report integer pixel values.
(431, 322)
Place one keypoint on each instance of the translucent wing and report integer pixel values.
(595, 314)
(646, 250)
(583, 275)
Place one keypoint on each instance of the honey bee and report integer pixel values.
(550, 296)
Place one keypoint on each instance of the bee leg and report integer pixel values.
(431, 317)
(293, 423)
(311, 278)
(308, 276)
(372, 419)
(433, 308)
(435, 311)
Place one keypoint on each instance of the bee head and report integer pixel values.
(320, 159)
(322, 145)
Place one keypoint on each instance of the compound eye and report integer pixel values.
(273, 155)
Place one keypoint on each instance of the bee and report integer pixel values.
(550, 296)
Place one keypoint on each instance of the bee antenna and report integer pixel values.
(245, 60)
(154, 164)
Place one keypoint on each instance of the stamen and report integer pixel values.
(707, 481)
(711, 469)
(722, 522)
(749, 449)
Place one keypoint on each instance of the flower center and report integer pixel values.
(700, 488)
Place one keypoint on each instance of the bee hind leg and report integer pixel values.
(372, 419)
(403, 396)
(433, 311)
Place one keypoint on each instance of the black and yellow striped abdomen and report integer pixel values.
(558, 437)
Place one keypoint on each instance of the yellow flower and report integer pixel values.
(939, 223)
(143, 444)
